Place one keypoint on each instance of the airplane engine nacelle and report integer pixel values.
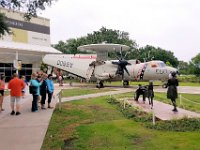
(105, 76)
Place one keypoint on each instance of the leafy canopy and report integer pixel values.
(30, 7)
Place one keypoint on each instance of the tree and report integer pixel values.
(3, 26)
(103, 35)
(195, 62)
(61, 46)
(148, 53)
(30, 7)
(183, 68)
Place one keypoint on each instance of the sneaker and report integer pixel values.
(12, 113)
(17, 113)
(34, 110)
(175, 110)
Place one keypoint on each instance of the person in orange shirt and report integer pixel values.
(15, 85)
(2, 88)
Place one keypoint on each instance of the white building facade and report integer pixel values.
(27, 45)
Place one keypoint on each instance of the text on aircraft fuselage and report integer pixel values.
(64, 64)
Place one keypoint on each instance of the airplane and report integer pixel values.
(97, 67)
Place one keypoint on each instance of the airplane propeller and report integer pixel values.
(122, 63)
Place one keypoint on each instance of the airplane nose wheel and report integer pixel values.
(125, 83)
(99, 84)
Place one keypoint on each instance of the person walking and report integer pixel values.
(34, 82)
(172, 90)
(43, 90)
(150, 93)
(50, 89)
(15, 85)
(2, 88)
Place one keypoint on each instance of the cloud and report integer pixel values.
(170, 24)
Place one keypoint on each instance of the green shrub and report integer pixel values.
(185, 124)
(129, 111)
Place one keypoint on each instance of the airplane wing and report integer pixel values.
(103, 49)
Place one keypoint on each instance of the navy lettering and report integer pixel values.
(64, 64)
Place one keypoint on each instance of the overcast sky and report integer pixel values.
(170, 24)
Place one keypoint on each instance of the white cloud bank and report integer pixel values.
(170, 24)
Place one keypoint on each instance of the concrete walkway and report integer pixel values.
(27, 131)
(163, 111)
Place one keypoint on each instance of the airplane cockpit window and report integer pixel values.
(158, 64)
(154, 65)
(162, 64)
(137, 61)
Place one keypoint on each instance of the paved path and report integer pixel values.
(27, 131)
(163, 111)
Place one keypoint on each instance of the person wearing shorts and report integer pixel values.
(15, 85)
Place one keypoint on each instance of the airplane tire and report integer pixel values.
(125, 84)
(99, 84)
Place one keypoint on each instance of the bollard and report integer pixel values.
(154, 119)
(70, 83)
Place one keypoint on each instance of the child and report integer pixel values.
(150, 94)
(24, 89)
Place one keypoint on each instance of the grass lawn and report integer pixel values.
(94, 124)
(82, 91)
(193, 106)
(189, 83)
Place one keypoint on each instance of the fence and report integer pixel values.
(185, 99)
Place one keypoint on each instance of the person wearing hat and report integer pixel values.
(172, 90)
(50, 89)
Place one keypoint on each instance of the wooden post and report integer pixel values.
(180, 99)
(154, 120)
(124, 103)
(60, 99)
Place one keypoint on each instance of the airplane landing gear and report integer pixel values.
(125, 83)
(99, 84)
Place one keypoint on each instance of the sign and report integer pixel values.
(17, 64)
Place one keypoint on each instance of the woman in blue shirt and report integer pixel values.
(50, 89)
(36, 83)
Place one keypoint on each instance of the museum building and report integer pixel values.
(23, 50)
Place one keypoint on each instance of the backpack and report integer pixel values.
(32, 89)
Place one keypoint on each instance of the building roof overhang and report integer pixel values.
(28, 53)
